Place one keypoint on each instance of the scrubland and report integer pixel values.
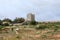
(41, 31)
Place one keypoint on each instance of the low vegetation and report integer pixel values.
(42, 27)
(1, 27)
(30, 30)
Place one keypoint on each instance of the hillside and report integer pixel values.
(50, 31)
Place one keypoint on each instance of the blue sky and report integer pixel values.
(44, 10)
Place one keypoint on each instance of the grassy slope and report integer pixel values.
(33, 34)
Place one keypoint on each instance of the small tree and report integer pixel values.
(7, 20)
(33, 23)
(18, 20)
(0, 22)
(1, 27)
(42, 27)
(56, 28)
(5, 24)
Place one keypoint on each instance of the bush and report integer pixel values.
(5, 24)
(56, 28)
(24, 23)
(18, 20)
(1, 27)
(32, 23)
(0, 22)
(42, 27)
(7, 20)
(43, 36)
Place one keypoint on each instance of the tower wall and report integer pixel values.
(30, 17)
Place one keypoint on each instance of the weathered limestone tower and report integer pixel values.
(30, 17)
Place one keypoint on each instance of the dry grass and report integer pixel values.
(32, 34)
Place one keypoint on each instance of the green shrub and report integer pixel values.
(5, 24)
(7, 20)
(18, 20)
(32, 23)
(56, 28)
(42, 27)
(1, 27)
(17, 37)
(0, 22)
(43, 36)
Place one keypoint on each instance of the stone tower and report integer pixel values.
(30, 17)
